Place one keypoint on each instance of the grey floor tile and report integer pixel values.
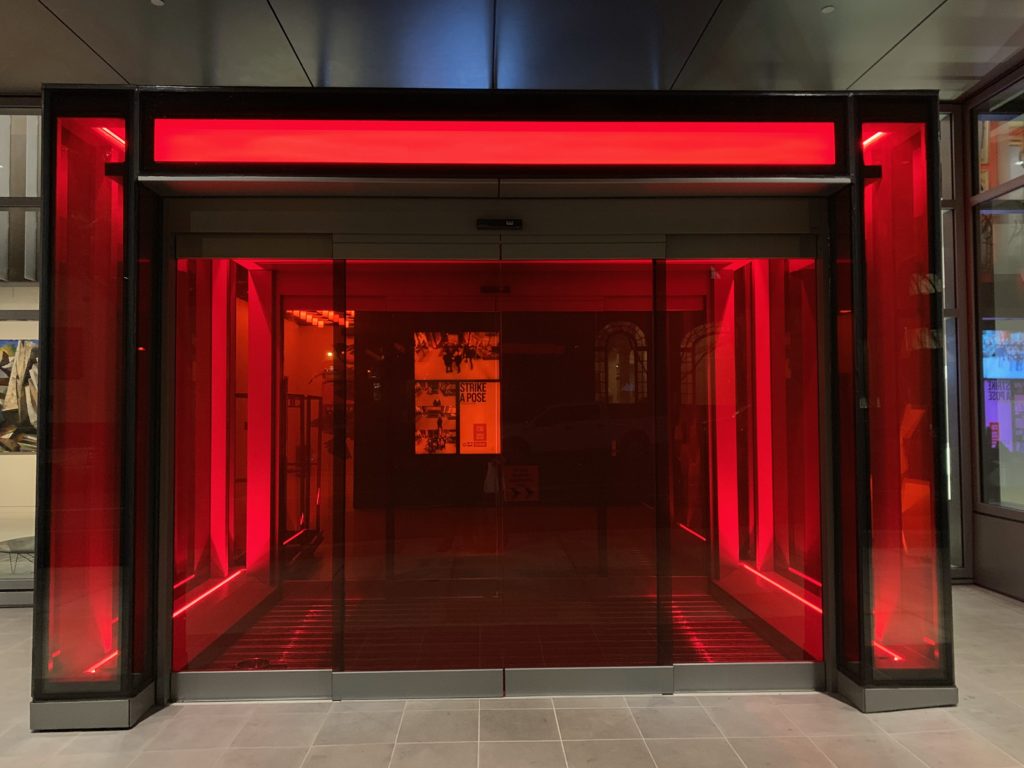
(191, 732)
(282, 730)
(862, 750)
(798, 752)
(462, 755)
(815, 720)
(661, 700)
(956, 749)
(19, 741)
(350, 755)
(522, 754)
(767, 721)
(675, 723)
(590, 724)
(518, 725)
(916, 720)
(1010, 740)
(359, 728)
(518, 702)
(421, 704)
(358, 705)
(178, 758)
(263, 757)
(440, 725)
(693, 753)
(631, 753)
(589, 702)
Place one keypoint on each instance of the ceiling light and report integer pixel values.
(157, 3)
(826, 9)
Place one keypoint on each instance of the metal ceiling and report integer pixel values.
(946, 45)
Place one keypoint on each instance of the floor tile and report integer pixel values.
(751, 722)
(194, 732)
(916, 720)
(693, 753)
(518, 702)
(522, 754)
(814, 720)
(291, 730)
(1010, 740)
(661, 700)
(675, 723)
(178, 758)
(631, 753)
(359, 728)
(448, 704)
(354, 755)
(956, 749)
(869, 749)
(518, 725)
(357, 705)
(463, 755)
(589, 702)
(590, 724)
(263, 757)
(798, 752)
(441, 725)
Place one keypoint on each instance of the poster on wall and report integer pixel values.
(19, 395)
(457, 391)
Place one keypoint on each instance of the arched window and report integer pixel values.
(620, 364)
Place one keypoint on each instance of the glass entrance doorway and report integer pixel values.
(459, 465)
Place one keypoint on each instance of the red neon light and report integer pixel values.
(692, 532)
(872, 139)
(804, 576)
(106, 659)
(293, 537)
(184, 581)
(887, 651)
(207, 593)
(492, 142)
(109, 134)
(780, 587)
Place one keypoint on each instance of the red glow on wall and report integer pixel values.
(692, 532)
(206, 593)
(804, 576)
(479, 142)
(781, 588)
(105, 660)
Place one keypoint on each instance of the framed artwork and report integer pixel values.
(19, 395)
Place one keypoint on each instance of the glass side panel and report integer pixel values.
(84, 402)
(1000, 262)
(947, 155)
(1000, 135)
(254, 497)
(903, 349)
(19, 243)
(744, 494)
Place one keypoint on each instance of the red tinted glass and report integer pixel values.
(901, 348)
(85, 396)
(477, 142)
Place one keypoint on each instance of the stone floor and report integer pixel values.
(719, 731)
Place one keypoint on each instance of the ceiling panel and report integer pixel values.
(186, 42)
(954, 48)
(36, 48)
(392, 43)
(604, 44)
(792, 45)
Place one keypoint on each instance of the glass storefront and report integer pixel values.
(487, 491)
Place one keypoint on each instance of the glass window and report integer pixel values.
(1000, 263)
(19, 155)
(1000, 127)
(947, 154)
(19, 243)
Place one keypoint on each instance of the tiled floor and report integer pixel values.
(755, 731)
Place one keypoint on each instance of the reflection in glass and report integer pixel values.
(1000, 137)
(1000, 260)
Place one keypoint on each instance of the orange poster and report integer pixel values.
(479, 417)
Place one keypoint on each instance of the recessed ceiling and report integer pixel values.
(945, 45)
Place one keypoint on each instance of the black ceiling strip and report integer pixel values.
(912, 30)
(69, 29)
(494, 45)
(695, 45)
(294, 52)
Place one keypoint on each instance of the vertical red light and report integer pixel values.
(84, 405)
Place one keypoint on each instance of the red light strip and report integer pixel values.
(692, 532)
(207, 593)
(780, 587)
(872, 139)
(493, 142)
(184, 581)
(105, 660)
(104, 131)
(293, 537)
(887, 651)
(804, 576)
